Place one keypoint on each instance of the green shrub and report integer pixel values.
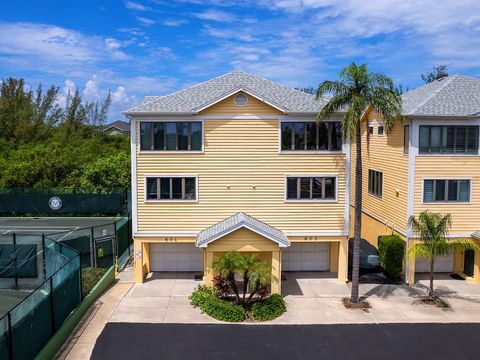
(90, 277)
(205, 298)
(269, 309)
(391, 249)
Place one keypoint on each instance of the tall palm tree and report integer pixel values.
(354, 91)
(432, 230)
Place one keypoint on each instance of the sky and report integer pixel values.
(155, 47)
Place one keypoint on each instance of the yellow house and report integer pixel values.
(430, 161)
(238, 163)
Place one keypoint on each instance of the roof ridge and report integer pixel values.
(434, 93)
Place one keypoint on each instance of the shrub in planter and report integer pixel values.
(206, 299)
(391, 249)
(269, 309)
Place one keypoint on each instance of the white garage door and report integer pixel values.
(442, 264)
(306, 257)
(176, 257)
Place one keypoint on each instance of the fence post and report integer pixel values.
(80, 276)
(93, 256)
(14, 237)
(44, 258)
(10, 338)
(52, 305)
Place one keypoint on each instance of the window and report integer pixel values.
(171, 188)
(310, 136)
(446, 191)
(241, 100)
(171, 136)
(311, 188)
(375, 183)
(448, 140)
(406, 139)
(380, 130)
(370, 130)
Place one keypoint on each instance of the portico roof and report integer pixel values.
(237, 221)
(476, 234)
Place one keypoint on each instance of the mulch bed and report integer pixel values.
(436, 302)
(361, 304)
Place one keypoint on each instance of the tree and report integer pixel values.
(432, 230)
(253, 271)
(356, 90)
(438, 72)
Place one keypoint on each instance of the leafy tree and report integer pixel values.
(355, 91)
(432, 230)
(438, 72)
(254, 272)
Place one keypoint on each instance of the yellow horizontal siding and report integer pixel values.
(240, 153)
(465, 217)
(228, 106)
(385, 154)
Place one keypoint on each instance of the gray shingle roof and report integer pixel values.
(119, 124)
(238, 221)
(197, 97)
(456, 95)
(476, 235)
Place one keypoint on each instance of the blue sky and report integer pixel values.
(154, 47)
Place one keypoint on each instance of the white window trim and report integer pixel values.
(170, 176)
(342, 151)
(378, 127)
(309, 201)
(446, 202)
(383, 184)
(202, 151)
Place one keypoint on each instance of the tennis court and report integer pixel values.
(49, 225)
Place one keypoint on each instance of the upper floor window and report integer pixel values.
(406, 139)
(172, 136)
(171, 188)
(311, 188)
(310, 136)
(375, 183)
(380, 130)
(448, 140)
(446, 190)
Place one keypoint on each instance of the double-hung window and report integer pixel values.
(446, 190)
(406, 139)
(171, 188)
(310, 136)
(311, 188)
(171, 136)
(448, 140)
(375, 183)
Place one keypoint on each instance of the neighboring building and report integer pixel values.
(117, 127)
(238, 163)
(431, 161)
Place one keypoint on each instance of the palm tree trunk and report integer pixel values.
(245, 284)
(233, 284)
(358, 216)
(430, 292)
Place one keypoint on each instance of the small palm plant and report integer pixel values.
(432, 230)
(254, 272)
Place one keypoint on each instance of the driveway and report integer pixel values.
(312, 298)
(207, 341)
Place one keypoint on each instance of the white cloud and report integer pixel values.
(145, 21)
(91, 92)
(135, 6)
(174, 22)
(113, 47)
(214, 15)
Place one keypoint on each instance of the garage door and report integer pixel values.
(176, 257)
(442, 264)
(306, 257)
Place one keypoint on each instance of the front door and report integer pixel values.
(468, 262)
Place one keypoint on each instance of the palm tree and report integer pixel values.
(432, 230)
(356, 90)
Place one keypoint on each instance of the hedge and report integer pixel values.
(269, 309)
(206, 299)
(391, 249)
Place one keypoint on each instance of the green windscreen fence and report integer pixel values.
(26, 328)
(62, 201)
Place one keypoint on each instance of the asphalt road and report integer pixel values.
(383, 341)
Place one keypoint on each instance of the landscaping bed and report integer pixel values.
(226, 309)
